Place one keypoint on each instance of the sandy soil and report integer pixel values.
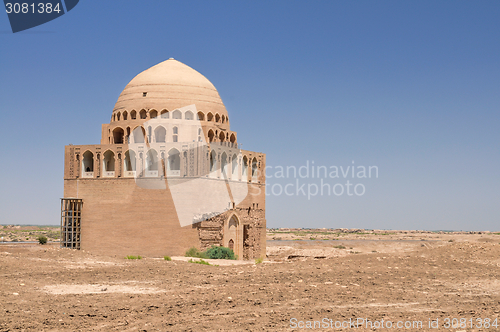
(17, 233)
(412, 276)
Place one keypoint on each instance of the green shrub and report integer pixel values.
(133, 257)
(201, 261)
(42, 239)
(220, 253)
(340, 247)
(167, 258)
(259, 260)
(195, 252)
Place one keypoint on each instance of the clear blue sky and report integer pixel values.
(410, 87)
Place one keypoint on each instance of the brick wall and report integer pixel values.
(120, 218)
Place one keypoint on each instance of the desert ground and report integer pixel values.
(335, 278)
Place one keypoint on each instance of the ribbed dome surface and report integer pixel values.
(170, 85)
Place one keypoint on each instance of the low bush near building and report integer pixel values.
(194, 252)
(214, 252)
(42, 239)
(167, 258)
(201, 261)
(220, 253)
(133, 257)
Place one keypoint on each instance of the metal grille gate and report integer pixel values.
(71, 214)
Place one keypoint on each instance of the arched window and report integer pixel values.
(222, 137)
(254, 168)
(213, 164)
(223, 165)
(164, 114)
(128, 135)
(174, 160)
(175, 137)
(118, 116)
(210, 117)
(139, 134)
(125, 115)
(160, 134)
(244, 168)
(177, 114)
(189, 115)
(201, 116)
(152, 160)
(153, 114)
(233, 138)
(142, 114)
(234, 167)
(129, 162)
(118, 135)
(217, 117)
(223, 118)
(211, 135)
(108, 162)
(140, 163)
(133, 115)
(87, 162)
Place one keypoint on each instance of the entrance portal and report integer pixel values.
(233, 235)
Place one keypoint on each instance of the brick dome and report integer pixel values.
(170, 85)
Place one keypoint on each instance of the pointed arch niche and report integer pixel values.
(233, 235)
